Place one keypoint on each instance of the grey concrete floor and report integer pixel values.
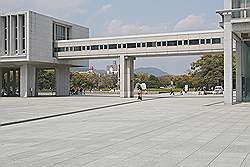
(184, 131)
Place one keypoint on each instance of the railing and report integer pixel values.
(238, 13)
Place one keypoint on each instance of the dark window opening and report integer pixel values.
(77, 48)
(101, 47)
(194, 42)
(202, 41)
(208, 41)
(94, 47)
(164, 43)
(119, 46)
(138, 45)
(131, 45)
(88, 47)
(179, 42)
(112, 46)
(105, 46)
(185, 42)
(172, 43)
(124, 46)
(158, 43)
(216, 41)
(151, 44)
(143, 45)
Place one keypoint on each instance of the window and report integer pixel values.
(60, 49)
(101, 47)
(66, 49)
(185, 42)
(216, 41)
(83, 48)
(124, 46)
(105, 46)
(151, 44)
(77, 48)
(112, 46)
(158, 43)
(131, 45)
(119, 46)
(143, 45)
(88, 47)
(71, 49)
(202, 41)
(138, 45)
(208, 41)
(60, 32)
(94, 47)
(179, 42)
(164, 43)
(194, 42)
(172, 43)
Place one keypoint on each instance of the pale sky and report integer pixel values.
(126, 17)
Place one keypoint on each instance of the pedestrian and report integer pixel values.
(171, 92)
(139, 92)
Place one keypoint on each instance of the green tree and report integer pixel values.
(209, 70)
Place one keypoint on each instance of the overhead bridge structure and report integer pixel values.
(127, 48)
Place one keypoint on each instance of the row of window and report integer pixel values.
(141, 45)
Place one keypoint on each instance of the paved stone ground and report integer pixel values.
(162, 132)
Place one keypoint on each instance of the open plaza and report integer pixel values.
(94, 131)
(104, 130)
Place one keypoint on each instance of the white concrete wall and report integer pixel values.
(227, 4)
(41, 39)
(27, 80)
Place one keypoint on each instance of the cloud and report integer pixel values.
(189, 23)
(118, 27)
(105, 8)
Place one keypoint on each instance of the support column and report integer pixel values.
(126, 76)
(238, 72)
(62, 81)
(1, 81)
(27, 80)
(8, 82)
(14, 82)
(228, 60)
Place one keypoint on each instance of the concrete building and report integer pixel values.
(236, 24)
(30, 40)
(26, 44)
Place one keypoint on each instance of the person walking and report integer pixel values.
(171, 92)
(139, 92)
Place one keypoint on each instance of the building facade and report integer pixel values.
(27, 44)
(236, 24)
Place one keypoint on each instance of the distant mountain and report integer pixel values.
(151, 71)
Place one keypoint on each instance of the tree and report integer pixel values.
(209, 70)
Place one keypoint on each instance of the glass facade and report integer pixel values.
(61, 32)
(245, 73)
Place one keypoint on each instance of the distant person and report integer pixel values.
(81, 90)
(139, 92)
(171, 92)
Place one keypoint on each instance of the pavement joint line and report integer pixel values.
(202, 146)
(71, 113)
(212, 104)
(213, 160)
(142, 134)
(204, 131)
(244, 159)
(64, 114)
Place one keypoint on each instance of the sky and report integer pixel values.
(129, 17)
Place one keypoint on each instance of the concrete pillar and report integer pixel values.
(228, 60)
(8, 82)
(126, 76)
(27, 80)
(62, 81)
(238, 72)
(13, 84)
(1, 81)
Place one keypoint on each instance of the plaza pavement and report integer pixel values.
(158, 132)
